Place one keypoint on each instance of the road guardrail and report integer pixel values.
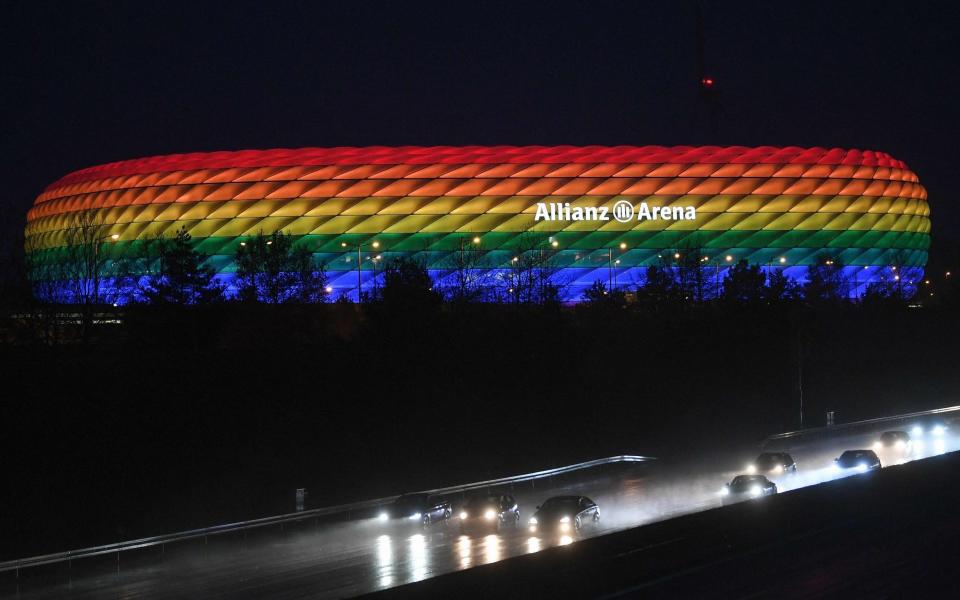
(953, 411)
(171, 538)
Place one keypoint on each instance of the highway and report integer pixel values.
(355, 557)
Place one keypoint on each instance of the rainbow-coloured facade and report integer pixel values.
(778, 207)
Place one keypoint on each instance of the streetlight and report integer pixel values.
(96, 262)
(553, 244)
(96, 247)
(611, 272)
(359, 248)
(476, 242)
(729, 259)
(374, 260)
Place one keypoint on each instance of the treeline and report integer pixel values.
(87, 283)
(275, 269)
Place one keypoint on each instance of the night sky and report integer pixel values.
(92, 82)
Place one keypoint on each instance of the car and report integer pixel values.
(489, 511)
(420, 508)
(747, 487)
(893, 440)
(565, 514)
(773, 463)
(860, 461)
(936, 429)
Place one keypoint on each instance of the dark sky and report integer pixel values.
(91, 82)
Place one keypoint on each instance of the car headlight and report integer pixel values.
(463, 515)
(564, 519)
(490, 515)
(383, 516)
(755, 491)
(917, 430)
(938, 430)
(414, 516)
(724, 491)
(877, 445)
(900, 444)
(533, 520)
(751, 469)
(778, 469)
(862, 467)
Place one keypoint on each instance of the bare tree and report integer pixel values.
(469, 278)
(689, 265)
(826, 282)
(85, 258)
(532, 276)
(85, 271)
(271, 269)
(902, 287)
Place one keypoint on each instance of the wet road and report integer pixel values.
(351, 558)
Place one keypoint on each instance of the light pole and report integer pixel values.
(359, 248)
(96, 263)
(800, 371)
(374, 260)
(515, 282)
(553, 244)
(898, 284)
(96, 248)
(462, 275)
(729, 259)
(611, 272)
(475, 241)
(782, 261)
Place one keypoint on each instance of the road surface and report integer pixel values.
(356, 557)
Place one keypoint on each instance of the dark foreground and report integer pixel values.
(893, 533)
(173, 422)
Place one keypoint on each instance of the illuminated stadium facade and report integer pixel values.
(782, 208)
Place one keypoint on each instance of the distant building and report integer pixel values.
(782, 208)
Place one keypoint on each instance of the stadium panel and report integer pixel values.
(782, 208)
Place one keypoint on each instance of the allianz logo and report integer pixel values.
(623, 211)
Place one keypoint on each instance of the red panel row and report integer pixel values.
(484, 155)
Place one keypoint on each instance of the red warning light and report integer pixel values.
(707, 82)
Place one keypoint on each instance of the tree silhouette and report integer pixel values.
(181, 277)
(406, 283)
(271, 269)
(598, 295)
(825, 281)
(744, 283)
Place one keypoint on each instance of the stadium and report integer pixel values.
(475, 209)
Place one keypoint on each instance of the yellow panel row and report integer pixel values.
(506, 205)
(234, 210)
